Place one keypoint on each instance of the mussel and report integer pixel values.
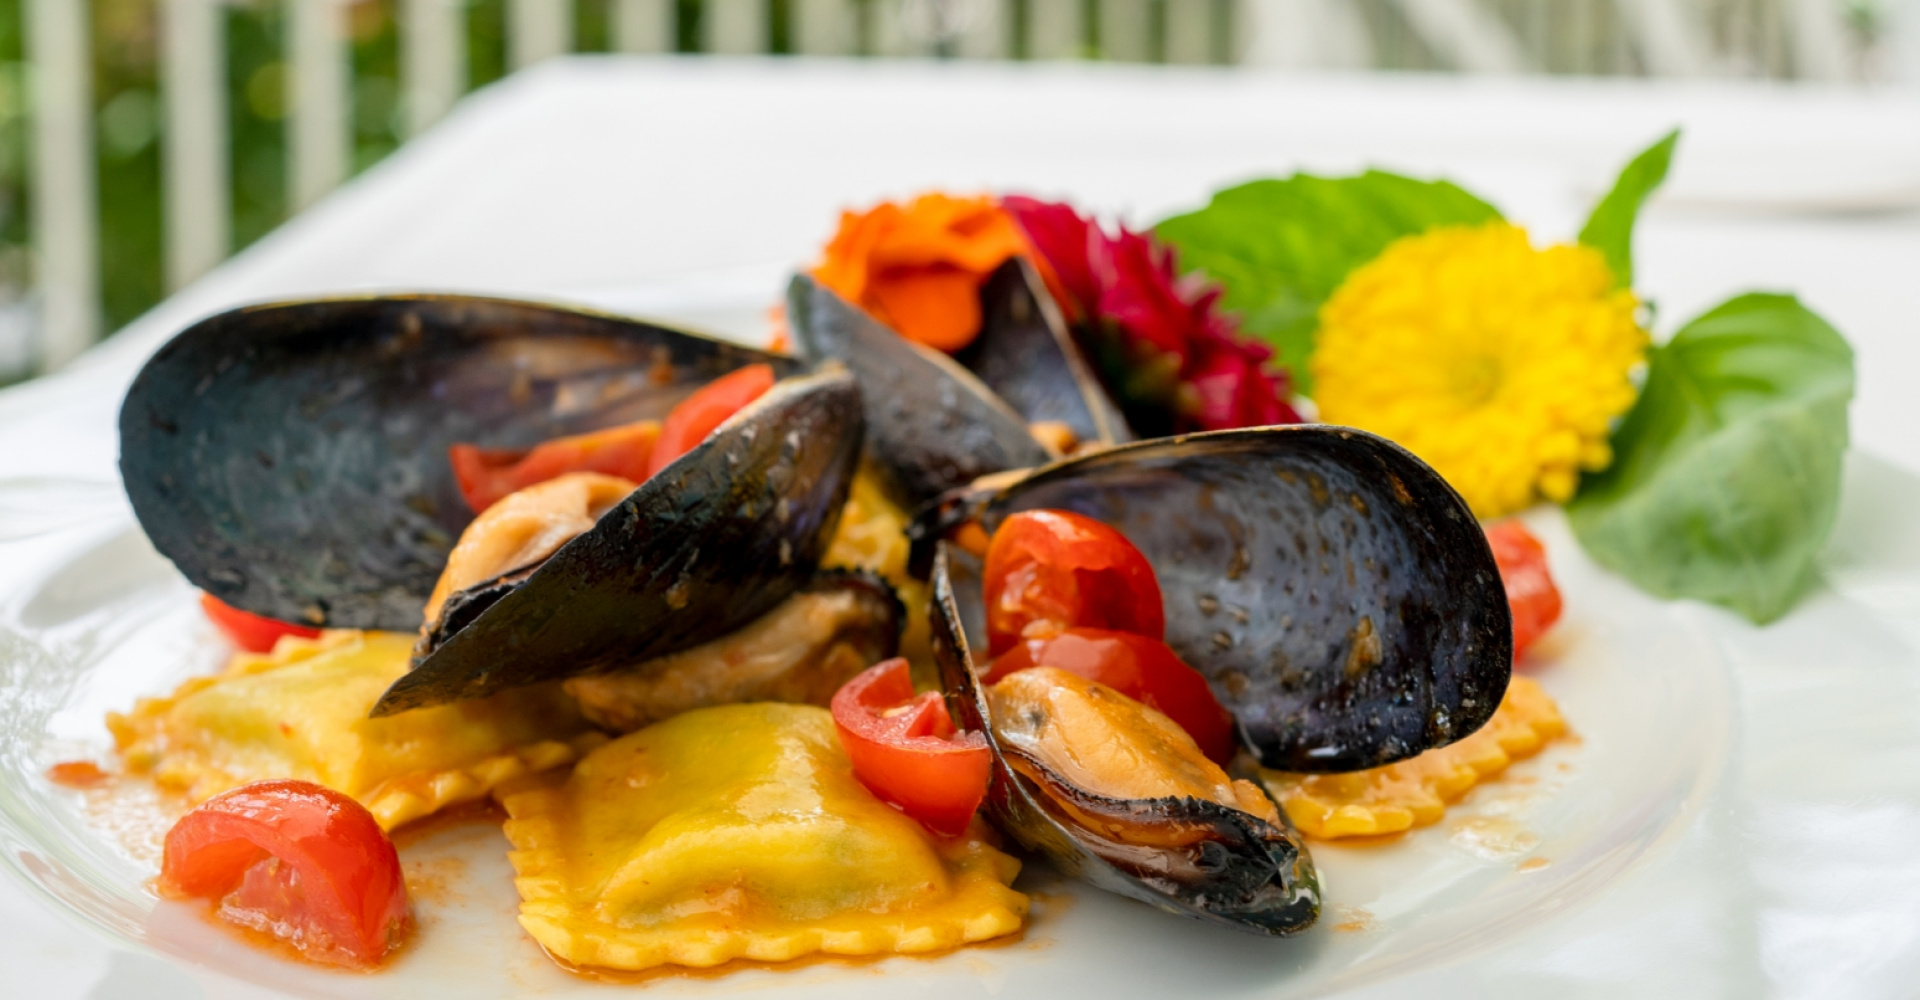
(291, 460)
(1336, 594)
(1187, 855)
(939, 422)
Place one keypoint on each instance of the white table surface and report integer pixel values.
(633, 182)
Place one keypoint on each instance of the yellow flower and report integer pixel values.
(1498, 364)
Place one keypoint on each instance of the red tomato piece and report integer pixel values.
(904, 749)
(297, 860)
(1049, 570)
(689, 423)
(1530, 591)
(488, 474)
(250, 631)
(1144, 669)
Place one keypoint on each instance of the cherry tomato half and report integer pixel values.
(904, 749)
(1143, 669)
(488, 474)
(1049, 570)
(696, 416)
(250, 631)
(1530, 591)
(297, 860)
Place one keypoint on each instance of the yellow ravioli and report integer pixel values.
(1416, 792)
(301, 712)
(740, 832)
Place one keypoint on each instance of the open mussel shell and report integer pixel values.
(1026, 356)
(936, 422)
(291, 459)
(1214, 863)
(1336, 593)
(931, 423)
(703, 547)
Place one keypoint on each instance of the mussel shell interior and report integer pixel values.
(1337, 594)
(1238, 870)
(292, 459)
(930, 422)
(1025, 354)
(701, 548)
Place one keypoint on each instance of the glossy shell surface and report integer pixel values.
(932, 424)
(1337, 595)
(1231, 868)
(1026, 356)
(703, 547)
(292, 459)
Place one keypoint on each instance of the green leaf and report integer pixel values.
(1610, 228)
(1281, 247)
(1726, 473)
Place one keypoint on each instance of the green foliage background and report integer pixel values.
(128, 121)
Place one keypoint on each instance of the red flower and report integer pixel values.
(1063, 240)
(1176, 350)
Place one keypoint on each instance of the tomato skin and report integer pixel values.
(1049, 570)
(1530, 590)
(249, 631)
(298, 859)
(1146, 670)
(696, 416)
(904, 748)
(486, 475)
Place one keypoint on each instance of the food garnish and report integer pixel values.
(1416, 792)
(248, 631)
(1500, 365)
(695, 417)
(298, 861)
(919, 266)
(904, 748)
(1176, 361)
(1068, 592)
(486, 475)
(1050, 570)
(1530, 589)
(1411, 308)
(741, 832)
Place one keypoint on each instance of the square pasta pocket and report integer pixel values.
(301, 712)
(741, 832)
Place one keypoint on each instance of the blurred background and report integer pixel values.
(144, 141)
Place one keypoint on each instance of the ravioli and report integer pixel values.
(1415, 792)
(301, 712)
(739, 831)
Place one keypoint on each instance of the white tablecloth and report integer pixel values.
(630, 182)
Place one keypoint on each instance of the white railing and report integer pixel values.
(1778, 38)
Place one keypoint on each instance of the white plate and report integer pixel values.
(94, 618)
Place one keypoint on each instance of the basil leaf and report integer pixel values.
(1610, 228)
(1281, 247)
(1726, 473)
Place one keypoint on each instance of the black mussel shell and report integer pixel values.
(930, 422)
(1336, 593)
(1026, 355)
(292, 459)
(1235, 869)
(701, 548)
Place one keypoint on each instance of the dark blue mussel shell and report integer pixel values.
(291, 460)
